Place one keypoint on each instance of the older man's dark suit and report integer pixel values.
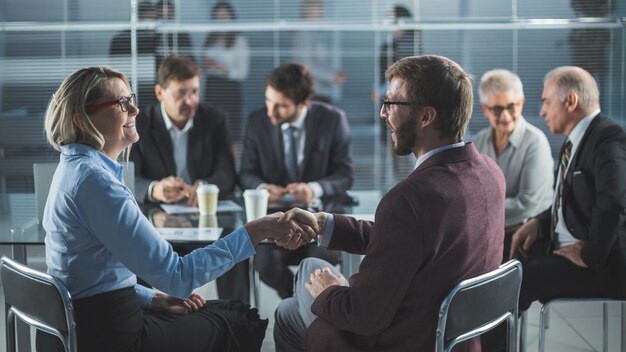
(209, 158)
(442, 224)
(326, 151)
(594, 200)
(326, 160)
(209, 152)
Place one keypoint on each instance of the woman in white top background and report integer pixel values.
(226, 63)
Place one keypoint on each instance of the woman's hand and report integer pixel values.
(165, 303)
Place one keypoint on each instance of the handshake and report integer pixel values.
(291, 230)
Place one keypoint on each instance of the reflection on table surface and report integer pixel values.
(18, 215)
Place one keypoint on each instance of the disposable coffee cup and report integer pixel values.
(207, 220)
(207, 198)
(256, 203)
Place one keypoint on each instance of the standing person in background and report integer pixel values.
(167, 43)
(120, 49)
(521, 150)
(226, 63)
(98, 240)
(311, 48)
(399, 44)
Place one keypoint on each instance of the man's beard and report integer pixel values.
(405, 137)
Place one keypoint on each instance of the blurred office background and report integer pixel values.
(43, 41)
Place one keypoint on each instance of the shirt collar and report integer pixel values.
(168, 122)
(81, 149)
(432, 152)
(581, 127)
(299, 123)
(517, 136)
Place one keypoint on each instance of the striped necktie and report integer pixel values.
(291, 155)
(565, 156)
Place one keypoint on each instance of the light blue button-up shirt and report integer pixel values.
(97, 238)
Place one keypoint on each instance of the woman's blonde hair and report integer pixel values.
(82, 88)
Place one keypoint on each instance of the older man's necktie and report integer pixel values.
(565, 156)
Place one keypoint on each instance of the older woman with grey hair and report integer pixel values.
(521, 150)
(97, 238)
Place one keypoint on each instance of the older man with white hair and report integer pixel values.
(578, 247)
(521, 150)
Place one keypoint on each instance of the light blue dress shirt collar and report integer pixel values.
(432, 152)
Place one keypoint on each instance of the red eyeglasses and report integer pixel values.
(123, 102)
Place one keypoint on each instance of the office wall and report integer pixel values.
(42, 41)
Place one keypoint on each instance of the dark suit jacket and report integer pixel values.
(442, 224)
(326, 151)
(209, 152)
(594, 200)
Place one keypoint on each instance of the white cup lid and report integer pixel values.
(256, 192)
(207, 188)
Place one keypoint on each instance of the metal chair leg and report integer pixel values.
(605, 327)
(522, 332)
(623, 342)
(544, 316)
(10, 328)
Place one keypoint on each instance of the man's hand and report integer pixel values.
(524, 238)
(316, 221)
(170, 190)
(275, 191)
(307, 220)
(573, 253)
(165, 303)
(322, 279)
(268, 227)
(302, 192)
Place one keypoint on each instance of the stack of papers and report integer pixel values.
(190, 234)
(222, 206)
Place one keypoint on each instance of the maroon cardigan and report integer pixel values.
(442, 224)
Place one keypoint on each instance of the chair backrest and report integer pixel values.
(38, 299)
(477, 305)
(43, 173)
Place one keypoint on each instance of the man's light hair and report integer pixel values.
(575, 79)
(500, 81)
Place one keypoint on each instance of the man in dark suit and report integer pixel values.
(577, 248)
(442, 224)
(298, 151)
(182, 144)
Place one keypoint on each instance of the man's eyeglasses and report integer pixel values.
(387, 103)
(182, 94)
(499, 109)
(123, 102)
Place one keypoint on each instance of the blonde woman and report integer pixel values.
(97, 239)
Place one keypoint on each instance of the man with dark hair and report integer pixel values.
(297, 150)
(182, 144)
(442, 224)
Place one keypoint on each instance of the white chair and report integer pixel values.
(477, 305)
(39, 300)
(43, 173)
